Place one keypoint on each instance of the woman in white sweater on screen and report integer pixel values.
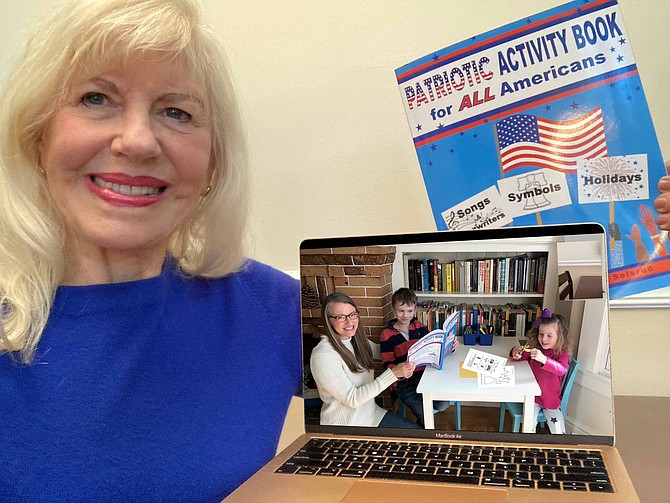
(342, 366)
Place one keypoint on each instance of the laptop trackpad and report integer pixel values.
(364, 492)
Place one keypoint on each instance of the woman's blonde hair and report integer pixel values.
(89, 36)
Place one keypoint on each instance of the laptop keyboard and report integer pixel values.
(523, 467)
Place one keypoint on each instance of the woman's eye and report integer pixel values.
(178, 114)
(94, 99)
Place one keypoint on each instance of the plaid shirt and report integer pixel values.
(394, 346)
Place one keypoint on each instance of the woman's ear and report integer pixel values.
(210, 176)
(39, 143)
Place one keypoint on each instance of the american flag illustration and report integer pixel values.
(527, 140)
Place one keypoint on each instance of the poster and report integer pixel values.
(543, 121)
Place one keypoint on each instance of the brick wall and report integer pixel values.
(362, 273)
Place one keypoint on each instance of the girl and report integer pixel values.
(547, 350)
(342, 366)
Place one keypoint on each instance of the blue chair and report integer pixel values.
(516, 409)
(402, 410)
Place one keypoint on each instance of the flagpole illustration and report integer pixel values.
(616, 244)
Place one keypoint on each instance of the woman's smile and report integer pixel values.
(119, 189)
(136, 186)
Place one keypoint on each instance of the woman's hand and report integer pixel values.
(404, 370)
(662, 202)
(536, 354)
(516, 352)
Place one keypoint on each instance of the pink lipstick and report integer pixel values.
(119, 189)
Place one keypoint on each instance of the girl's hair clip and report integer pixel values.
(544, 315)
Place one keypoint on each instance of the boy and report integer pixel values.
(396, 339)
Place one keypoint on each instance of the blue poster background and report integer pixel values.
(459, 155)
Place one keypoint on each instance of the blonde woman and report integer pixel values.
(126, 305)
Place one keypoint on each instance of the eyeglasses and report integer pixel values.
(341, 317)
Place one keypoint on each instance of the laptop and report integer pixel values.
(485, 445)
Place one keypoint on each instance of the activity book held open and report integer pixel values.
(434, 346)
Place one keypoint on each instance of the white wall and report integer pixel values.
(330, 148)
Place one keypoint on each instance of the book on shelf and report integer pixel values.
(541, 274)
(493, 281)
(480, 276)
(418, 276)
(509, 319)
(503, 275)
(439, 283)
(524, 273)
(506, 319)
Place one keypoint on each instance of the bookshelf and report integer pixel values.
(518, 276)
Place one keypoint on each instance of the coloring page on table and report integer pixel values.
(543, 121)
(483, 363)
(503, 379)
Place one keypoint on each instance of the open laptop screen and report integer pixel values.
(498, 282)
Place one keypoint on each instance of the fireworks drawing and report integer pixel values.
(610, 179)
(617, 178)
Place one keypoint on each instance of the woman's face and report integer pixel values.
(127, 156)
(347, 325)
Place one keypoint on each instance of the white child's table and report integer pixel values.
(447, 384)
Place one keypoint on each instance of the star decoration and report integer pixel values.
(619, 58)
(622, 41)
(433, 147)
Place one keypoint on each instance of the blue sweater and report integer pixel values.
(165, 389)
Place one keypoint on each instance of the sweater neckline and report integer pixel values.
(111, 296)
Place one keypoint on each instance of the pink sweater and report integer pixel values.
(549, 377)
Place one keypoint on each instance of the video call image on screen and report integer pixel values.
(499, 288)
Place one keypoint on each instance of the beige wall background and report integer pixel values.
(330, 150)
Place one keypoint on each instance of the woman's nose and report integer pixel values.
(136, 137)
